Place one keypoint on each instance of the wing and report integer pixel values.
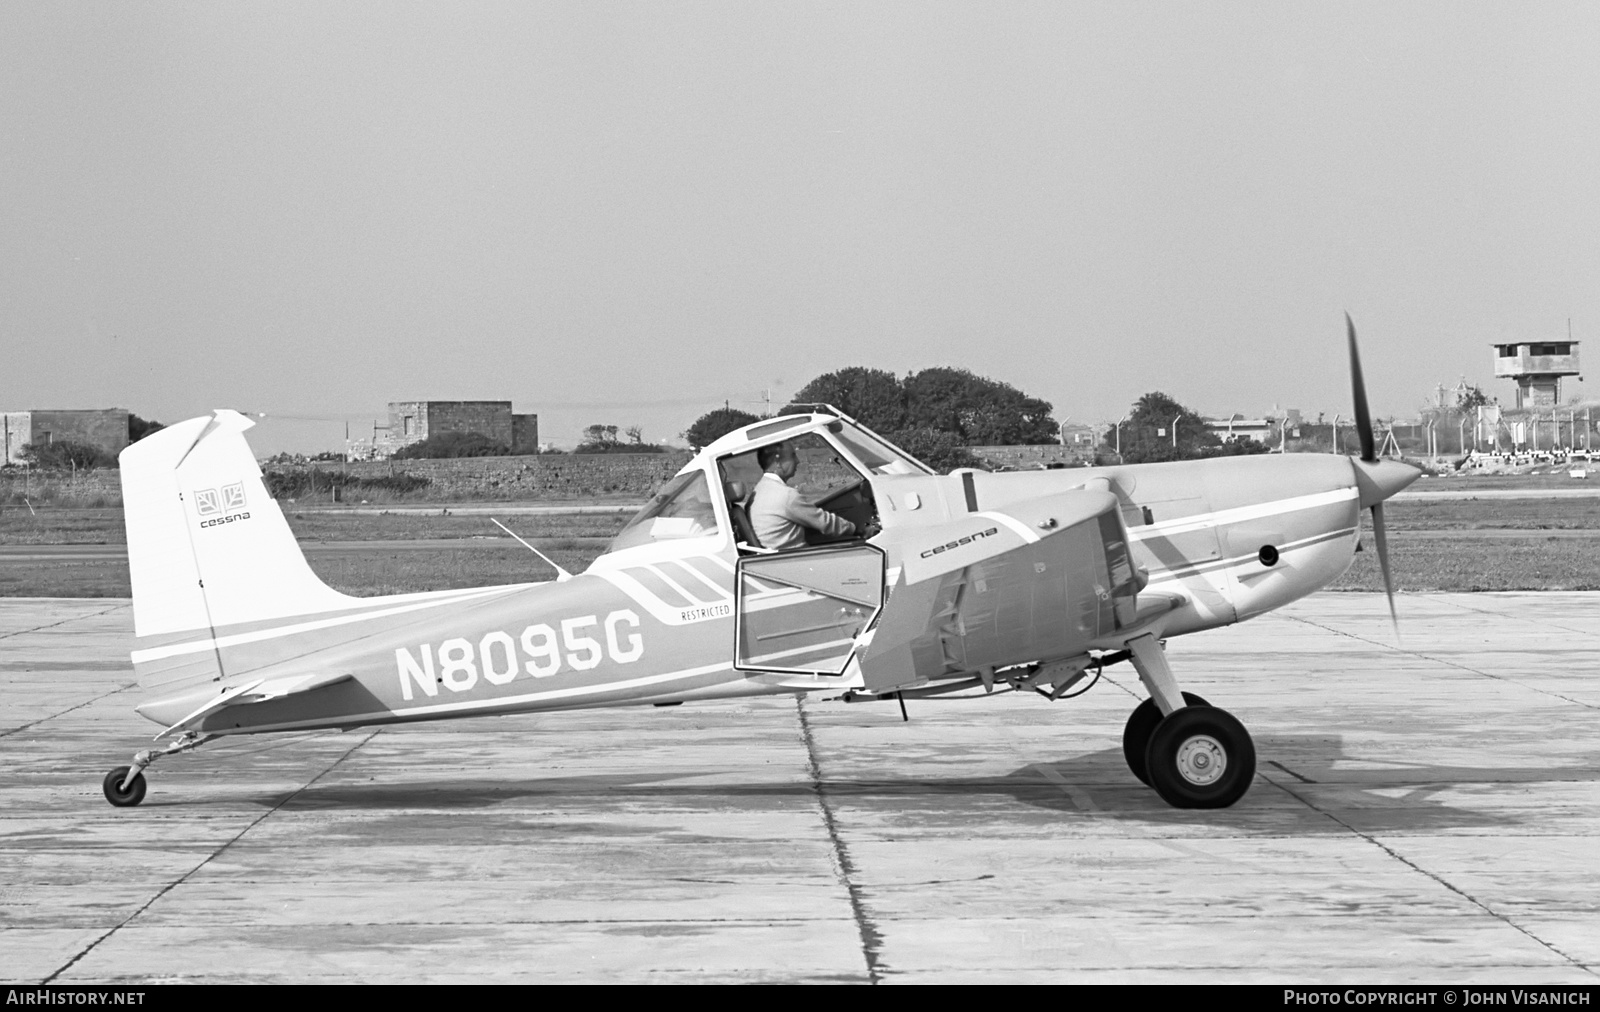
(1035, 580)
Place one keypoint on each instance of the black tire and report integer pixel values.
(116, 794)
(1141, 725)
(1201, 757)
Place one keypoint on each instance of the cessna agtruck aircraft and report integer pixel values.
(971, 583)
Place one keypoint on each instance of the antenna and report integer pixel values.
(562, 577)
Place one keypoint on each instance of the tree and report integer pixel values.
(453, 444)
(1147, 435)
(942, 451)
(603, 439)
(975, 410)
(871, 396)
(713, 425)
(1470, 399)
(982, 412)
(138, 428)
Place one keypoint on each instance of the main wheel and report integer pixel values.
(123, 797)
(1141, 725)
(1201, 757)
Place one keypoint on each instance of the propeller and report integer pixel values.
(1376, 479)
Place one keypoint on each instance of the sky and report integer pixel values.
(629, 213)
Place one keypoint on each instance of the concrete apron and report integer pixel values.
(1423, 812)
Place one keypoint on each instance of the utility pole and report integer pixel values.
(1335, 433)
(1175, 432)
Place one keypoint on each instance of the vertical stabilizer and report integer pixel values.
(208, 549)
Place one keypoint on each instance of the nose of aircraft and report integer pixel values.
(1380, 479)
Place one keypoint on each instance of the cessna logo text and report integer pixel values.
(969, 539)
(497, 659)
(218, 506)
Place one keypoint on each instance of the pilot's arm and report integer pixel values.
(815, 517)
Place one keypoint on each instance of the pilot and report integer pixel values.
(777, 512)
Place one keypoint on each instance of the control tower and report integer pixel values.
(1537, 367)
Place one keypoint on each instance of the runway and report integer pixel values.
(1425, 812)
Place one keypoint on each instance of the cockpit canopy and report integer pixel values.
(694, 505)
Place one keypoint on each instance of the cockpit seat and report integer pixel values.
(743, 531)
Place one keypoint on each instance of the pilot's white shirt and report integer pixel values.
(780, 516)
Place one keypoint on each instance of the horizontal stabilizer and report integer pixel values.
(291, 685)
(258, 691)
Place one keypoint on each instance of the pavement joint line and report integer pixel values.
(180, 880)
(1440, 660)
(871, 937)
(35, 723)
(1545, 625)
(1292, 773)
(121, 603)
(1124, 688)
(124, 687)
(1446, 883)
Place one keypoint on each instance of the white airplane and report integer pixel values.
(977, 583)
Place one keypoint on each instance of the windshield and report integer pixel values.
(876, 455)
(682, 509)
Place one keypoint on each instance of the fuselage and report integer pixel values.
(1229, 538)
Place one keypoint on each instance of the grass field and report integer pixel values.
(1470, 545)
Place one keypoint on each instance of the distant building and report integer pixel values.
(1262, 430)
(1537, 368)
(413, 421)
(1081, 435)
(105, 429)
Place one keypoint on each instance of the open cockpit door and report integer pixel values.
(801, 612)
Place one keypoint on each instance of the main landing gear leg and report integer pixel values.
(124, 786)
(1194, 754)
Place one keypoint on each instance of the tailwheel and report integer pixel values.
(1200, 757)
(1141, 725)
(120, 794)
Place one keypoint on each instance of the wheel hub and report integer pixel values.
(1201, 760)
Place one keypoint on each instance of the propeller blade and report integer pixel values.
(1380, 538)
(1369, 446)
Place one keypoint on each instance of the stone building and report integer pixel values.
(413, 421)
(105, 429)
(1537, 367)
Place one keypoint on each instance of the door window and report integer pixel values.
(801, 612)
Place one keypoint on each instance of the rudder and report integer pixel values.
(208, 548)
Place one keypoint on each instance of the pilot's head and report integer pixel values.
(778, 459)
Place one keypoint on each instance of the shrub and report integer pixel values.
(713, 425)
(298, 484)
(138, 428)
(453, 444)
(939, 449)
(66, 455)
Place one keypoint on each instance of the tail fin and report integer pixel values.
(208, 549)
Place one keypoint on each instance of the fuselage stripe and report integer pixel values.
(1202, 568)
(1239, 514)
